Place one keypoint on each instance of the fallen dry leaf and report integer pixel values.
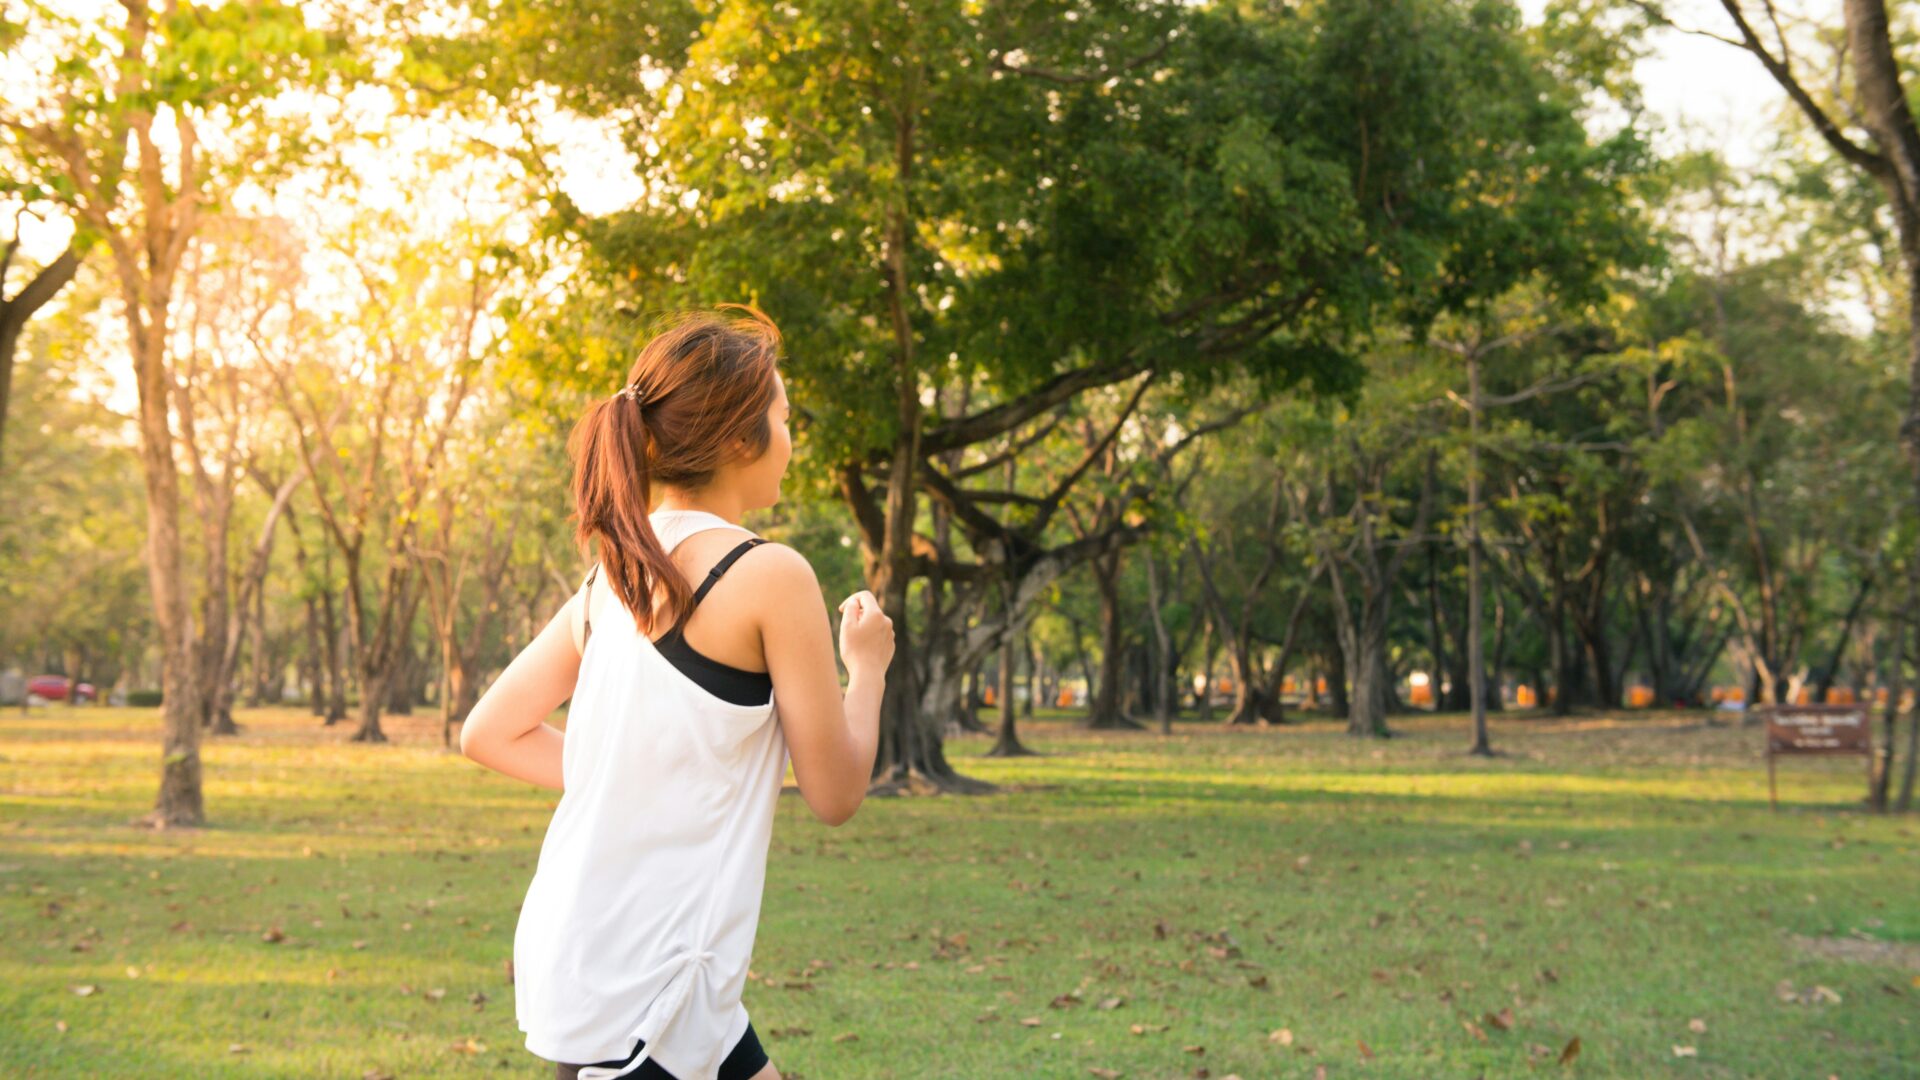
(846, 1036)
(1283, 1036)
(273, 936)
(1570, 1051)
(1366, 1052)
(1474, 1030)
(238, 1048)
(1105, 1074)
(86, 990)
(1145, 1029)
(468, 1045)
(1502, 1020)
(1696, 1025)
(1685, 1051)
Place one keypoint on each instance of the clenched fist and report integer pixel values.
(866, 634)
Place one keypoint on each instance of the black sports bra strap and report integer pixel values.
(721, 567)
(699, 594)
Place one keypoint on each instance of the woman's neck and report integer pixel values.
(717, 503)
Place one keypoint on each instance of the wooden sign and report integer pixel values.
(1816, 729)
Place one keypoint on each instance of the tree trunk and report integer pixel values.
(1496, 698)
(1033, 673)
(263, 665)
(336, 660)
(1339, 702)
(1367, 711)
(1209, 652)
(375, 684)
(180, 799)
(1007, 742)
(1600, 665)
(1823, 685)
(310, 664)
(1105, 712)
(1240, 663)
(1561, 658)
(1163, 657)
(1906, 628)
(216, 684)
(400, 685)
(1476, 658)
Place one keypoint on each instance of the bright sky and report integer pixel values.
(1711, 95)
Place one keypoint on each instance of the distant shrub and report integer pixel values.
(144, 698)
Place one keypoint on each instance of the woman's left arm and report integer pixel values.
(507, 729)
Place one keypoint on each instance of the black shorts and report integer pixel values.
(746, 1058)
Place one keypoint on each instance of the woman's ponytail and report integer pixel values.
(697, 392)
(613, 497)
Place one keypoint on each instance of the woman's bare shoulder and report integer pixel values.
(776, 566)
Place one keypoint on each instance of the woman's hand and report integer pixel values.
(866, 635)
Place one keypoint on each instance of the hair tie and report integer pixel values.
(631, 392)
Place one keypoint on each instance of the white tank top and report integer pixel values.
(640, 919)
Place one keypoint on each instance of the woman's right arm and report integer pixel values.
(832, 735)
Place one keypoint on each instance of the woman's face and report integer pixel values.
(760, 478)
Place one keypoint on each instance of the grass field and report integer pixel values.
(1261, 904)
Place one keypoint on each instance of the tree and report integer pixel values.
(142, 124)
(1376, 450)
(238, 274)
(415, 355)
(1036, 207)
(1254, 514)
(1871, 127)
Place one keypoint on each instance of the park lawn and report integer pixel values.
(1256, 903)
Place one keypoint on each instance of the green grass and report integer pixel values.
(1613, 879)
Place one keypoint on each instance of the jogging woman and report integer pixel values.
(699, 661)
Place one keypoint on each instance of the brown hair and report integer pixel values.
(703, 382)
